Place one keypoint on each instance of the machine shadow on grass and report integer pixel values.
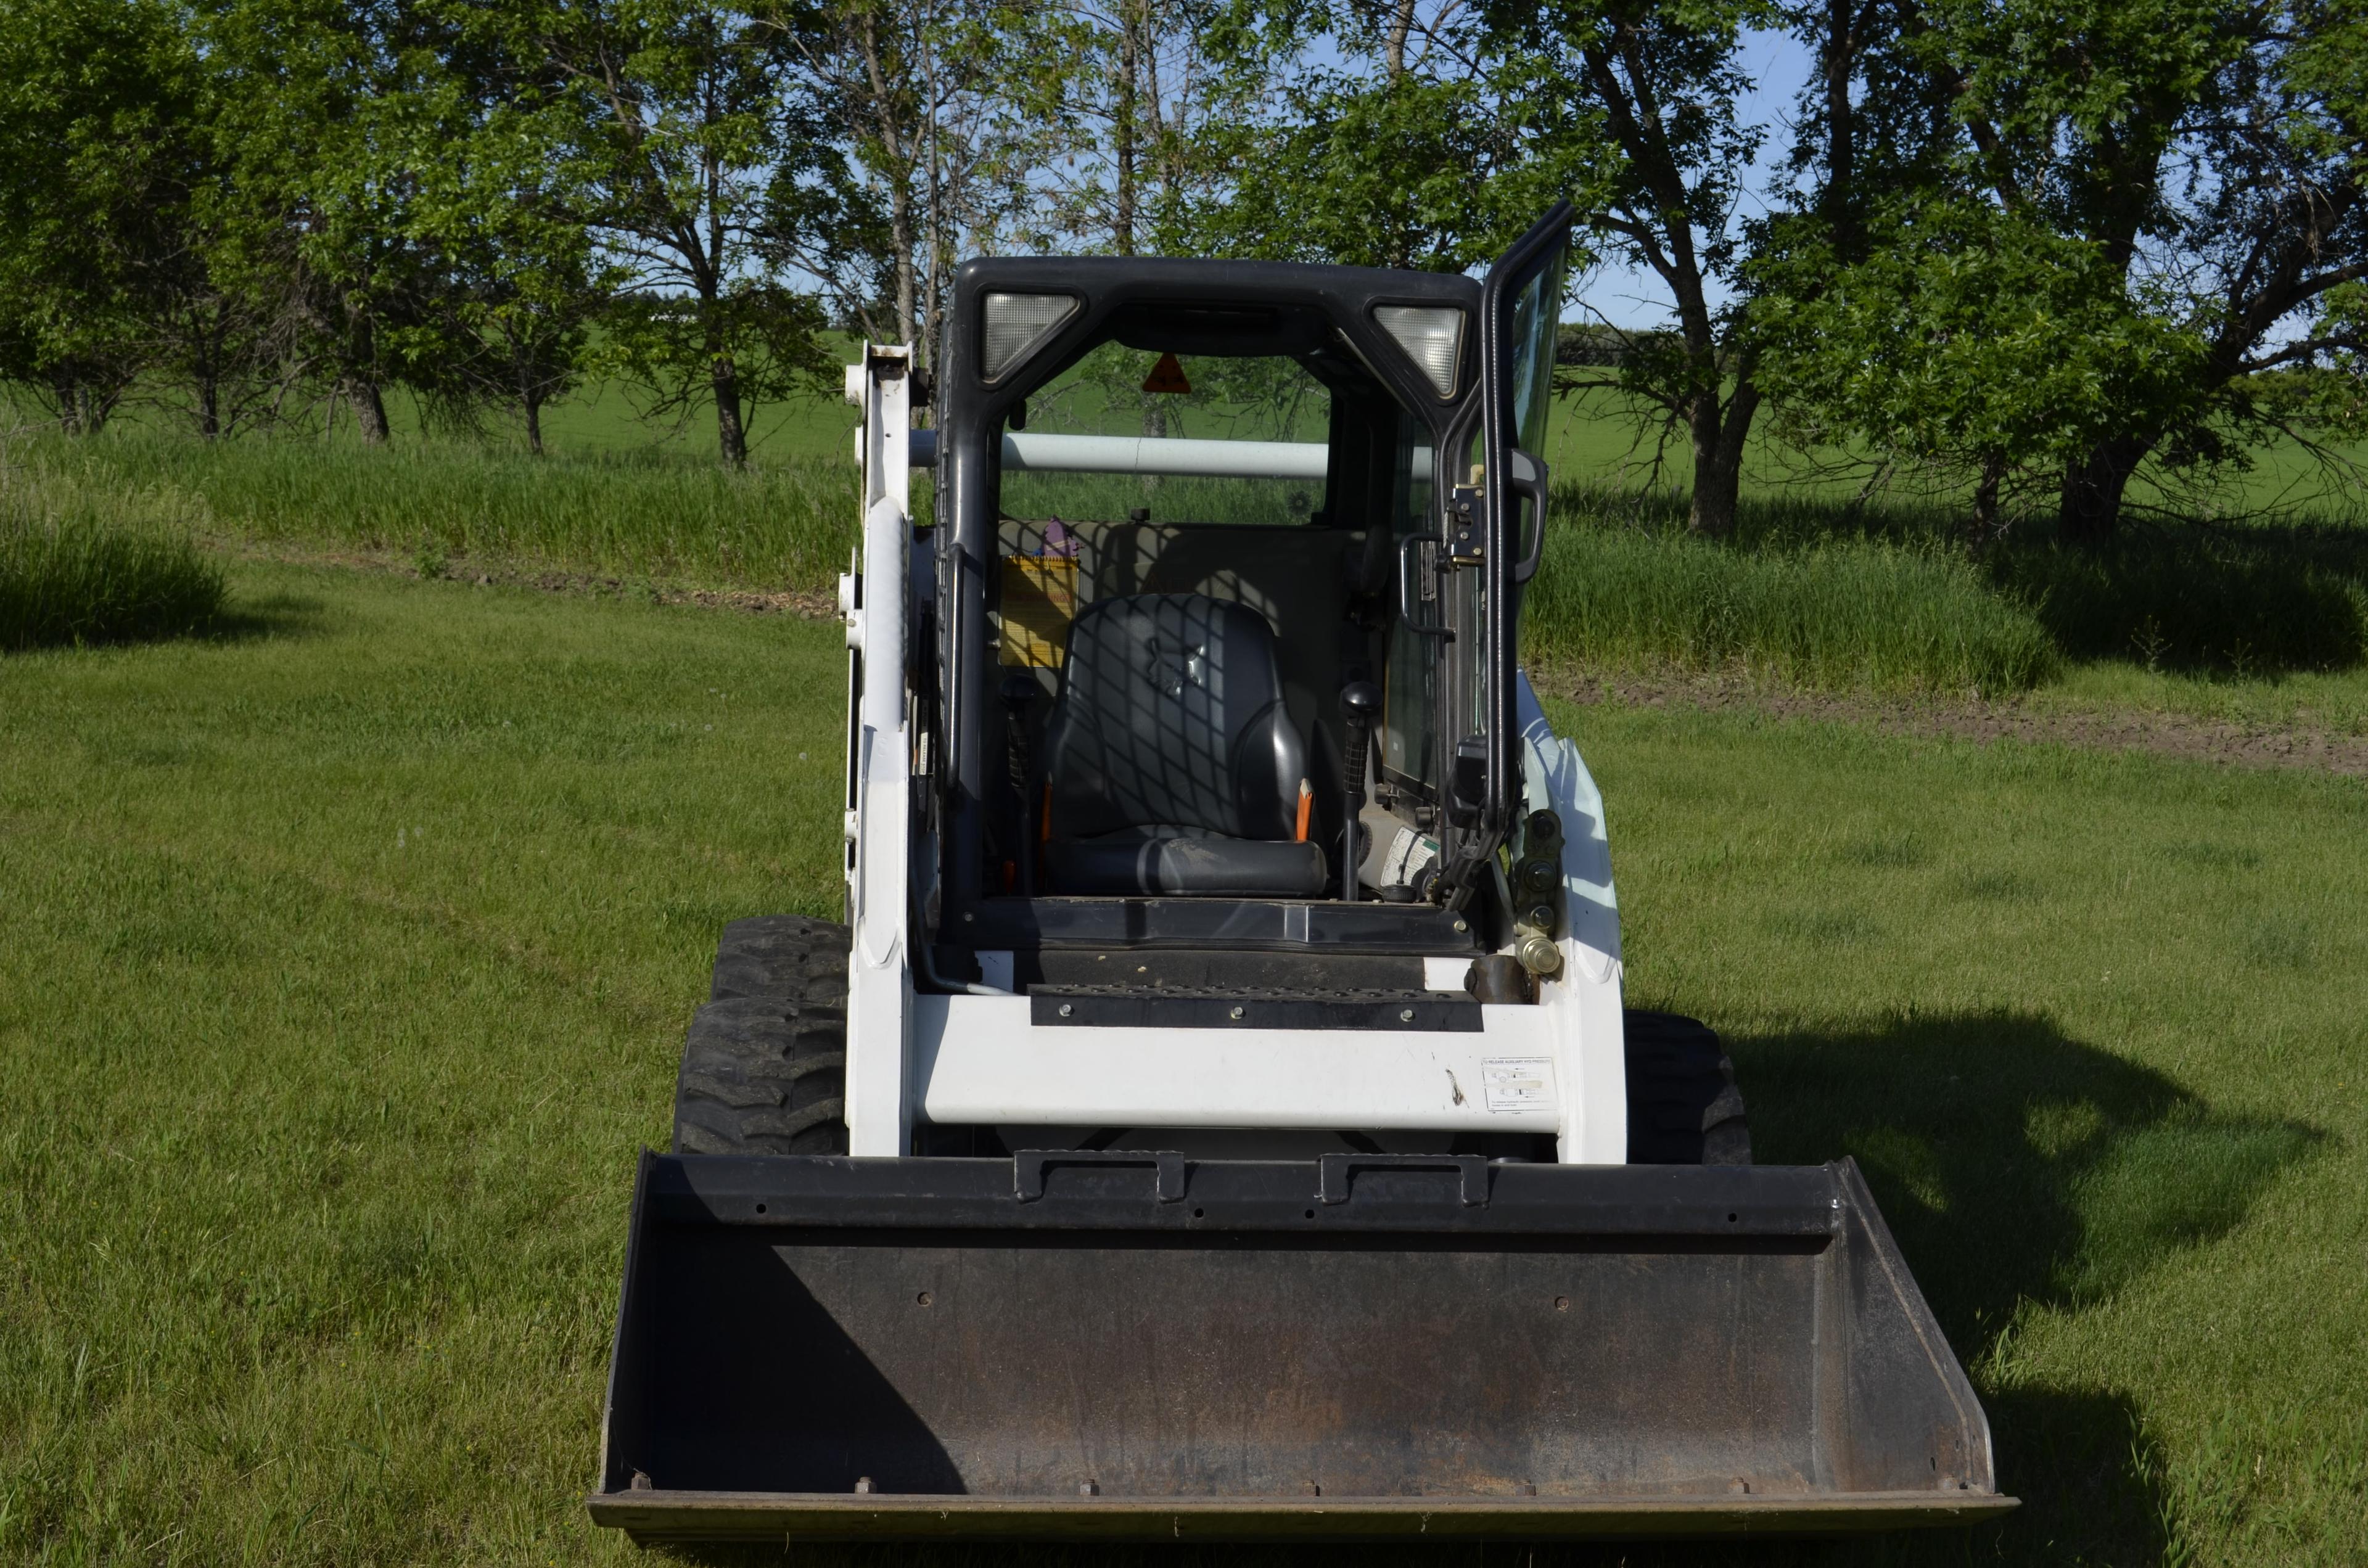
(2021, 1168)
(2018, 1169)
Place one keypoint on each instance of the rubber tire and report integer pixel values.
(764, 1067)
(779, 955)
(1683, 1106)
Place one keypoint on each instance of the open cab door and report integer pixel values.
(1494, 534)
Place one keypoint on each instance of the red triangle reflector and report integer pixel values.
(1167, 376)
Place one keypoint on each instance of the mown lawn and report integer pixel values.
(341, 963)
(343, 957)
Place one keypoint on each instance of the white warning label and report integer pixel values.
(1517, 1082)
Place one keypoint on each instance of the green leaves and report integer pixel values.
(92, 107)
(1966, 332)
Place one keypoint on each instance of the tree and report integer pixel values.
(1664, 152)
(507, 180)
(939, 115)
(1396, 135)
(1961, 340)
(321, 104)
(95, 120)
(1144, 98)
(2195, 168)
(697, 119)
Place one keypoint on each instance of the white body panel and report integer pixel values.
(979, 1059)
(1553, 1068)
(1584, 999)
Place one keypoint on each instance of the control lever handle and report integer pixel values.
(1360, 704)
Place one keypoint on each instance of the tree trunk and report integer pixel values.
(532, 400)
(369, 410)
(730, 437)
(1719, 433)
(1395, 50)
(2090, 510)
(1122, 131)
(1986, 499)
(208, 404)
(1841, 176)
(900, 234)
(69, 401)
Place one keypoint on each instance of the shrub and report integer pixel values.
(2252, 599)
(2196, 596)
(78, 567)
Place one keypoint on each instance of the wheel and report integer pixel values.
(1683, 1106)
(764, 1067)
(779, 955)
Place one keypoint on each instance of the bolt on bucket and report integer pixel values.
(1112, 1345)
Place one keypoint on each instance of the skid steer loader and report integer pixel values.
(1217, 1117)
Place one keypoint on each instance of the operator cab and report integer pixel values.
(1235, 601)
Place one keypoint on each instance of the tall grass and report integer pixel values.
(1873, 592)
(1851, 613)
(1882, 595)
(784, 525)
(79, 566)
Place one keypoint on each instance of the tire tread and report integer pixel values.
(764, 1064)
(1683, 1106)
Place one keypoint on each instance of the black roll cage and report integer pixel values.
(970, 414)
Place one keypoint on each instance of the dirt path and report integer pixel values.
(2162, 734)
(494, 572)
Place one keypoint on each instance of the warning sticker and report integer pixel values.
(1167, 376)
(1518, 1083)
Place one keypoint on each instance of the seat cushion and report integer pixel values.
(1184, 862)
(1171, 712)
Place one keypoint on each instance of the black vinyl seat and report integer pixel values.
(1172, 765)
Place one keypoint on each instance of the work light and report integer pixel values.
(1017, 325)
(1430, 336)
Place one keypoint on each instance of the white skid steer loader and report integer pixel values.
(1217, 1117)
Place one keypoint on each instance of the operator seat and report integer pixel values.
(1171, 766)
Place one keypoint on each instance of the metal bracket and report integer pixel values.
(1333, 1172)
(1410, 588)
(1466, 538)
(1027, 1168)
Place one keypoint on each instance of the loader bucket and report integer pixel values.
(1067, 1344)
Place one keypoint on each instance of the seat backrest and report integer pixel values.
(1171, 714)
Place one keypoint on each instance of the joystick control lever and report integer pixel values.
(1360, 704)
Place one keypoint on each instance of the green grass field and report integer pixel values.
(344, 957)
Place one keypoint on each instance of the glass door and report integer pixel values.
(1521, 308)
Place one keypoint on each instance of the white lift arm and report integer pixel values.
(879, 767)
